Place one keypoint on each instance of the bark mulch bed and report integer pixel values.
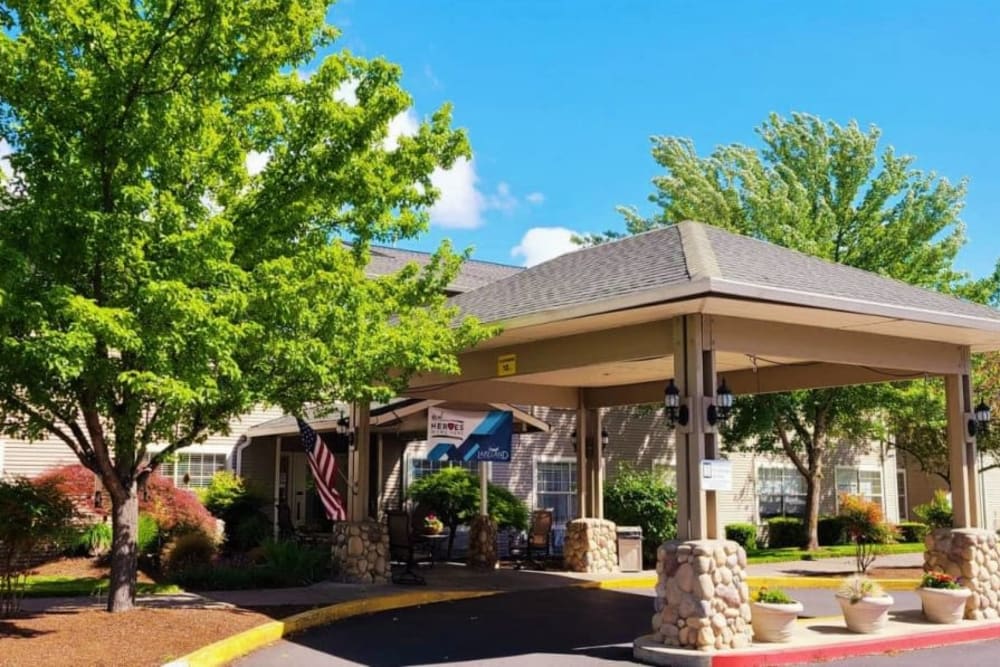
(92, 637)
(99, 639)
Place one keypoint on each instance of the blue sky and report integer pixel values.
(560, 98)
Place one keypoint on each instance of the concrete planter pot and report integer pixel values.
(774, 622)
(944, 605)
(867, 615)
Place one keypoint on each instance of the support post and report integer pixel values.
(379, 491)
(709, 384)
(689, 376)
(277, 484)
(957, 450)
(362, 452)
(599, 466)
(582, 476)
(484, 496)
(976, 518)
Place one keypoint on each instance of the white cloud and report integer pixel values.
(540, 244)
(5, 167)
(502, 199)
(347, 92)
(256, 161)
(460, 204)
(535, 198)
(404, 124)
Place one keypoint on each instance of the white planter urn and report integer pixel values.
(774, 622)
(944, 605)
(867, 615)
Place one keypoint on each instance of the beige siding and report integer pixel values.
(257, 462)
(28, 459)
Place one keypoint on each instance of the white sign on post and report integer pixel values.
(716, 475)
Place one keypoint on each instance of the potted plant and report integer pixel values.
(773, 615)
(432, 525)
(864, 603)
(943, 597)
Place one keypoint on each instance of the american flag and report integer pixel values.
(324, 470)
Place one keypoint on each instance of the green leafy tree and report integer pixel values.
(826, 190)
(453, 495)
(31, 514)
(643, 498)
(152, 285)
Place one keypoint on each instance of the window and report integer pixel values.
(555, 488)
(901, 494)
(421, 467)
(193, 470)
(864, 483)
(781, 491)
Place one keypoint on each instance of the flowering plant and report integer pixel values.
(772, 596)
(940, 580)
(857, 587)
(432, 524)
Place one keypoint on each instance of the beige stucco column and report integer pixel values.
(362, 458)
(582, 471)
(694, 375)
(962, 450)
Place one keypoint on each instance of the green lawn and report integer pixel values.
(50, 586)
(792, 554)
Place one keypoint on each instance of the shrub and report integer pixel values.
(912, 531)
(830, 531)
(785, 531)
(94, 540)
(31, 514)
(189, 550)
(148, 541)
(176, 511)
(249, 532)
(508, 510)
(937, 513)
(643, 498)
(743, 533)
(231, 499)
(856, 587)
(863, 524)
(292, 564)
(78, 484)
(772, 596)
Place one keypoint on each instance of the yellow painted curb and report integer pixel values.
(230, 648)
(756, 582)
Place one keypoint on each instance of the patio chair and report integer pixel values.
(403, 548)
(539, 536)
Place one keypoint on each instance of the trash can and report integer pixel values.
(630, 548)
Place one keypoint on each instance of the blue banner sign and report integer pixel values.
(461, 435)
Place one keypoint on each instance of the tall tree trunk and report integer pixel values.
(125, 530)
(813, 486)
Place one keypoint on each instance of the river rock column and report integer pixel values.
(702, 598)
(974, 555)
(482, 543)
(590, 546)
(361, 552)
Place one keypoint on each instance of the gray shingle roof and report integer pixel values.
(472, 275)
(630, 265)
(683, 254)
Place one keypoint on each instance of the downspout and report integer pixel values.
(242, 443)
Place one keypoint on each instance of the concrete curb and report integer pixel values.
(230, 648)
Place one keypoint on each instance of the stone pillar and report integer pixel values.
(974, 555)
(702, 598)
(591, 545)
(361, 552)
(482, 543)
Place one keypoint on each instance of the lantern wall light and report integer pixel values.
(722, 409)
(980, 423)
(676, 413)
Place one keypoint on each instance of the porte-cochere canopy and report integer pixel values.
(608, 325)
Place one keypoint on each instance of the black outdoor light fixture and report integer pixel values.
(98, 499)
(676, 413)
(723, 406)
(604, 440)
(980, 424)
(344, 429)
